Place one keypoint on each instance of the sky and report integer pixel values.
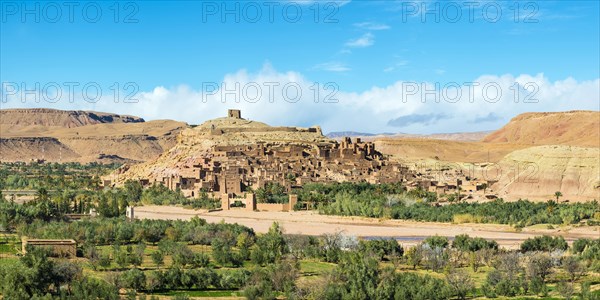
(346, 65)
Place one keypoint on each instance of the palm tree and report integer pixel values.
(42, 195)
(550, 206)
(557, 195)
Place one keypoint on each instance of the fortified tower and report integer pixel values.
(234, 113)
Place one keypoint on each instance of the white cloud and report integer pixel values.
(372, 26)
(366, 40)
(332, 67)
(422, 111)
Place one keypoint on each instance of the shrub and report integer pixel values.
(544, 243)
(436, 241)
(381, 247)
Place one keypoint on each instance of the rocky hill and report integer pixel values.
(23, 118)
(556, 151)
(574, 128)
(538, 172)
(421, 149)
(82, 136)
(196, 144)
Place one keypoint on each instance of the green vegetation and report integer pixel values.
(35, 275)
(160, 195)
(393, 201)
(196, 258)
(272, 192)
(181, 259)
(544, 243)
(33, 176)
(75, 188)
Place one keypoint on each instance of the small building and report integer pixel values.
(129, 213)
(234, 113)
(60, 248)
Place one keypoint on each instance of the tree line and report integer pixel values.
(393, 201)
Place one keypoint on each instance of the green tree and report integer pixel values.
(104, 260)
(270, 246)
(133, 191)
(259, 286)
(201, 260)
(183, 256)
(565, 289)
(437, 241)
(538, 267)
(133, 279)
(544, 243)
(460, 283)
(223, 254)
(414, 255)
(158, 258)
(557, 195)
(573, 267)
(243, 242)
(120, 257)
(91, 288)
(360, 274)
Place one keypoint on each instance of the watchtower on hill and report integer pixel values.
(234, 113)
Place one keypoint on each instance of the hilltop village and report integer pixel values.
(230, 156)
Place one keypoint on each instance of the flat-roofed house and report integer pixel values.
(60, 248)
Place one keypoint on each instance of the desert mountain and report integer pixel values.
(538, 172)
(565, 155)
(574, 128)
(22, 119)
(420, 149)
(537, 154)
(83, 136)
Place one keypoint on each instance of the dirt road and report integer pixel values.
(407, 232)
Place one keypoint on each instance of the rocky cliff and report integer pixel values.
(82, 136)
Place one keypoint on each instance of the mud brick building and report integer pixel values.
(231, 156)
(59, 248)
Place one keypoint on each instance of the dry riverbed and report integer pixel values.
(407, 232)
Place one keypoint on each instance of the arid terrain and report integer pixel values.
(573, 128)
(82, 136)
(533, 156)
(407, 232)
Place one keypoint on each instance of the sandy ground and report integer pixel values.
(407, 232)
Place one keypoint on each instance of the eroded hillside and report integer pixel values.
(538, 172)
(195, 145)
(82, 136)
(574, 128)
(537, 154)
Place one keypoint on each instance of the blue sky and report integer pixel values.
(368, 49)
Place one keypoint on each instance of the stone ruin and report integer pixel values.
(234, 113)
